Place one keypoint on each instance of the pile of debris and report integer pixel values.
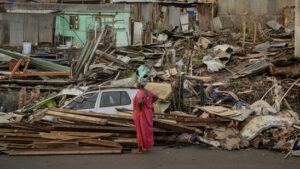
(225, 89)
(79, 132)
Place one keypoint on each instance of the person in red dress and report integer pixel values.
(143, 117)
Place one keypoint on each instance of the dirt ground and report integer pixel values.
(160, 157)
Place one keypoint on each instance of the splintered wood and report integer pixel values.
(220, 111)
(79, 132)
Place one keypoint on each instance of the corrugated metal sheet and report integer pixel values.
(31, 22)
(260, 7)
(46, 28)
(15, 7)
(4, 30)
(16, 27)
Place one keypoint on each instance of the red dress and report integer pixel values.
(144, 120)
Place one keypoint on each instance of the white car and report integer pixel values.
(104, 100)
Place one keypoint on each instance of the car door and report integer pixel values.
(110, 100)
(86, 102)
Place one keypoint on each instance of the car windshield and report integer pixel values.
(86, 101)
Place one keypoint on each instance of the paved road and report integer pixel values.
(159, 158)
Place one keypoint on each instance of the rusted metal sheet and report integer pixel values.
(205, 18)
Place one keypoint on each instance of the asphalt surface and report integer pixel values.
(159, 158)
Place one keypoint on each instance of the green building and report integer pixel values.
(77, 26)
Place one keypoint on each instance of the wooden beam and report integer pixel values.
(27, 64)
(65, 151)
(22, 139)
(15, 68)
(93, 114)
(38, 82)
(83, 134)
(46, 145)
(42, 74)
(106, 143)
(81, 118)
(8, 130)
(175, 127)
(193, 119)
(59, 136)
(101, 128)
(3, 134)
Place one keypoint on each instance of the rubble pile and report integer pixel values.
(226, 89)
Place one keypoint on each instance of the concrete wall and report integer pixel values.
(264, 9)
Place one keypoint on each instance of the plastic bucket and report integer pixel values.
(26, 48)
(69, 44)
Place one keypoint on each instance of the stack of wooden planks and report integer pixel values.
(79, 132)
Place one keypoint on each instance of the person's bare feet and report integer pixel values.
(136, 151)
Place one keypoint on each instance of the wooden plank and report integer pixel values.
(126, 140)
(93, 114)
(114, 123)
(219, 110)
(81, 118)
(101, 128)
(7, 130)
(42, 74)
(65, 144)
(205, 79)
(207, 120)
(18, 146)
(59, 136)
(38, 82)
(83, 134)
(170, 139)
(37, 116)
(160, 123)
(110, 57)
(174, 127)
(65, 151)
(20, 134)
(105, 143)
(22, 139)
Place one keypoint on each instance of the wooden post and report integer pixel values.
(244, 27)
(15, 68)
(27, 63)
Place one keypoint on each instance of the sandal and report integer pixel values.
(136, 151)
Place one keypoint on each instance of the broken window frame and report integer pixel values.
(74, 22)
(79, 104)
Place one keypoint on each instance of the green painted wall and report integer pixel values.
(87, 22)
